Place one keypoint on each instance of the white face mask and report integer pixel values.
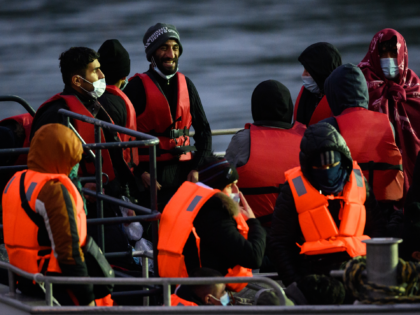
(165, 76)
(390, 67)
(310, 84)
(98, 87)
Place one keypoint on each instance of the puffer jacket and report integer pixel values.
(285, 229)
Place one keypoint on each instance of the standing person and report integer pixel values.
(375, 151)
(270, 140)
(167, 104)
(324, 210)
(394, 89)
(84, 84)
(318, 61)
(44, 219)
(115, 65)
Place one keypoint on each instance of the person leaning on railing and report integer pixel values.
(44, 221)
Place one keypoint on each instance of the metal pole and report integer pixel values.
(166, 294)
(145, 269)
(382, 260)
(153, 207)
(48, 293)
(12, 283)
(99, 202)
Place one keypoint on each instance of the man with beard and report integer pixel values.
(167, 104)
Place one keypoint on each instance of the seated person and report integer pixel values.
(45, 228)
(394, 90)
(368, 134)
(204, 227)
(318, 61)
(319, 196)
(270, 140)
(201, 294)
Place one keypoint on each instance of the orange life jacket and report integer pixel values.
(20, 226)
(86, 131)
(318, 227)
(158, 121)
(176, 224)
(25, 120)
(321, 112)
(177, 301)
(130, 154)
(375, 150)
(278, 148)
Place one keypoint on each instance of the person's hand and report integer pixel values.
(193, 176)
(91, 186)
(145, 178)
(244, 207)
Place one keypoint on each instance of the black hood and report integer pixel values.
(320, 60)
(272, 105)
(319, 138)
(346, 87)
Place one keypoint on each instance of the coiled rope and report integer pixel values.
(371, 293)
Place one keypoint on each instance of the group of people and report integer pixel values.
(298, 191)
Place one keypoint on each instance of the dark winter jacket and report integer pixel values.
(115, 107)
(222, 246)
(285, 228)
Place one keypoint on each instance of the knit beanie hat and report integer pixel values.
(157, 35)
(217, 173)
(114, 60)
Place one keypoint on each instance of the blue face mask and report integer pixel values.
(310, 84)
(390, 67)
(330, 180)
(224, 299)
(122, 87)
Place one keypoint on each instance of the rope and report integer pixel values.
(372, 293)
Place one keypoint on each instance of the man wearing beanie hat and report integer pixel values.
(115, 65)
(217, 224)
(167, 104)
(320, 200)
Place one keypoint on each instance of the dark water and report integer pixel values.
(229, 45)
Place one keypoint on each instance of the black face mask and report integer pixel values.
(330, 181)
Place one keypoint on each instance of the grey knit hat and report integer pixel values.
(157, 35)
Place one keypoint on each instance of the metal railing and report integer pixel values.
(165, 282)
(221, 132)
(21, 101)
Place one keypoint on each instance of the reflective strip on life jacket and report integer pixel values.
(21, 227)
(177, 301)
(176, 224)
(25, 120)
(318, 227)
(321, 112)
(86, 131)
(157, 119)
(130, 154)
(268, 146)
(375, 151)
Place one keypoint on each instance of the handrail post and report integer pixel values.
(166, 294)
(12, 283)
(99, 202)
(48, 293)
(145, 271)
(153, 206)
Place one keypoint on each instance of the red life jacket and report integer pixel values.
(157, 120)
(321, 112)
(25, 120)
(176, 224)
(130, 154)
(273, 151)
(86, 131)
(369, 137)
(318, 227)
(177, 301)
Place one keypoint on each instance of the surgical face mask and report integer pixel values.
(165, 76)
(122, 87)
(224, 299)
(310, 84)
(390, 67)
(98, 87)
